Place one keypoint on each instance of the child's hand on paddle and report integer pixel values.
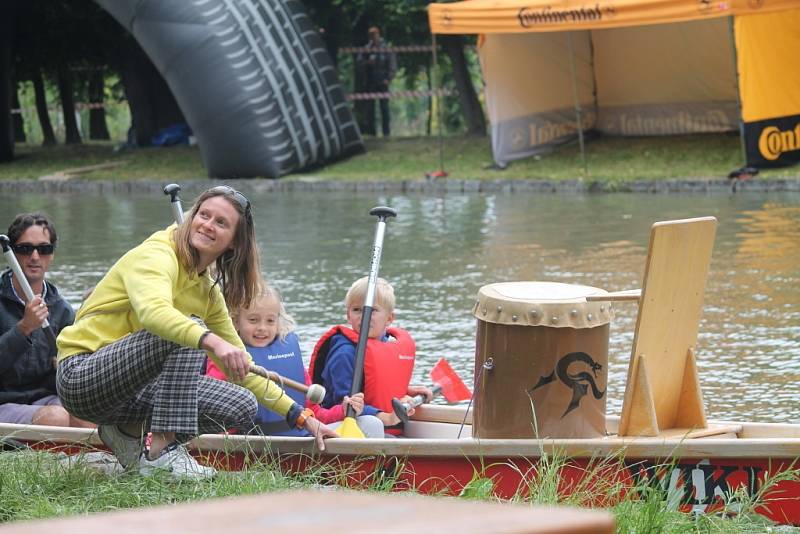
(356, 401)
(319, 431)
(414, 390)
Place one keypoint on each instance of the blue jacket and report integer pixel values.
(27, 372)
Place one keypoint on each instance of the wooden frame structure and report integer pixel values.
(662, 395)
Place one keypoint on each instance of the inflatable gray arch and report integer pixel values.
(252, 78)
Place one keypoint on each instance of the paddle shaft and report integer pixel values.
(275, 377)
(295, 385)
(382, 213)
(11, 258)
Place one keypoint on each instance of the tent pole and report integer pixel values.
(578, 117)
(439, 117)
(738, 94)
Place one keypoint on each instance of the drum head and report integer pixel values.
(551, 304)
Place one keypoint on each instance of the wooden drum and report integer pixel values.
(541, 361)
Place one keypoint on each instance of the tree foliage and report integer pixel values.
(77, 37)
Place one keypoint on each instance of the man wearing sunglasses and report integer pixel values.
(27, 374)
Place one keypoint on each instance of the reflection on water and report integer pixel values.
(440, 250)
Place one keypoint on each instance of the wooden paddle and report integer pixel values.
(8, 252)
(349, 427)
(445, 381)
(315, 392)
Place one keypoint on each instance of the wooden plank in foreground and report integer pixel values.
(327, 511)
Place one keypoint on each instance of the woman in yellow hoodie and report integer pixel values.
(132, 360)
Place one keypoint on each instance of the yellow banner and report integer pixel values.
(517, 16)
(768, 53)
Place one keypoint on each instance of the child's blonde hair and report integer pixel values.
(286, 322)
(384, 294)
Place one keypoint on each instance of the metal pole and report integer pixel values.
(439, 116)
(738, 95)
(578, 114)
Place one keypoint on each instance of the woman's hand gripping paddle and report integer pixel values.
(349, 427)
(5, 242)
(445, 381)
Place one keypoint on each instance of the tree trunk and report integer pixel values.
(19, 122)
(72, 134)
(41, 110)
(151, 102)
(97, 115)
(6, 133)
(453, 46)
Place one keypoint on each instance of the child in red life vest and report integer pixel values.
(267, 332)
(388, 363)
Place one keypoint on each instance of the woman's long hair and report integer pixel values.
(237, 270)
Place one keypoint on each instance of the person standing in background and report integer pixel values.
(379, 66)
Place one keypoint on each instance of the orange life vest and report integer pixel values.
(387, 365)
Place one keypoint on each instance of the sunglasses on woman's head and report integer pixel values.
(26, 249)
(237, 196)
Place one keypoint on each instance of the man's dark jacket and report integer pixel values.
(27, 372)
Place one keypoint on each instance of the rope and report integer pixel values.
(399, 94)
(385, 49)
(488, 365)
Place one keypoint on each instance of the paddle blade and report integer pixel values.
(453, 388)
(349, 429)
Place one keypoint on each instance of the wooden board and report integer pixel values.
(331, 511)
(663, 390)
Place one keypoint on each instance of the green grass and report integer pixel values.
(158, 164)
(36, 485)
(610, 159)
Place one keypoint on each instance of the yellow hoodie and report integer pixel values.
(149, 289)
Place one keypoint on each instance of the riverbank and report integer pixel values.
(438, 186)
(699, 162)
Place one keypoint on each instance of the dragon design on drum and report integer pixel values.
(579, 382)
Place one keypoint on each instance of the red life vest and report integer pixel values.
(387, 365)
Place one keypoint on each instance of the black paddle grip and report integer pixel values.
(173, 190)
(383, 212)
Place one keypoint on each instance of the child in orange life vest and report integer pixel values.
(388, 363)
(267, 332)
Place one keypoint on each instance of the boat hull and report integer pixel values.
(720, 471)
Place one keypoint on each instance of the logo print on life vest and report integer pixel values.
(579, 382)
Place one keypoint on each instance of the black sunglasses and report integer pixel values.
(26, 249)
(237, 196)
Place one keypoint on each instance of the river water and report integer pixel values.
(442, 249)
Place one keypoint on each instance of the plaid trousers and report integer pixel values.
(143, 378)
